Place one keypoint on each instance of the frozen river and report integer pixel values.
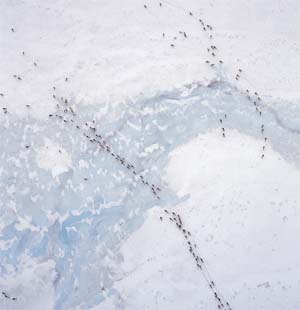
(74, 215)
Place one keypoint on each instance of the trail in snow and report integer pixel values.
(192, 247)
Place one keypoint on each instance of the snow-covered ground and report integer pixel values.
(134, 100)
(244, 216)
(111, 51)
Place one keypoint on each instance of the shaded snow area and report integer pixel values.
(149, 155)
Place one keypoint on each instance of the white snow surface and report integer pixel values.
(111, 51)
(242, 214)
(78, 230)
(47, 158)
